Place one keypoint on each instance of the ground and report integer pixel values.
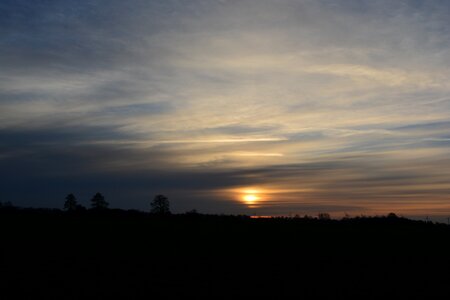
(55, 255)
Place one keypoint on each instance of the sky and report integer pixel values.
(267, 107)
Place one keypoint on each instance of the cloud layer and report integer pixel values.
(338, 106)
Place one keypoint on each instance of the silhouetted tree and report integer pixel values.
(98, 202)
(160, 205)
(71, 203)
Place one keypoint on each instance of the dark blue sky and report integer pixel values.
(309, 106)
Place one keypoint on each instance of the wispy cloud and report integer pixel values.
(342, 98)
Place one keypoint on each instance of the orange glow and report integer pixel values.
(258, 196)
(250, 198)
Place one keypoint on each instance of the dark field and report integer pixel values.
(130, 255)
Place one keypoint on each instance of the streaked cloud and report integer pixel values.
(345, 104)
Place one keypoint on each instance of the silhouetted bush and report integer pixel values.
(80, 208)
(392, 216)
(192, 212)
(324, 216)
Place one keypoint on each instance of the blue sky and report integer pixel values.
(337, 106)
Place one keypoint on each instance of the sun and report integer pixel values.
(250, 198)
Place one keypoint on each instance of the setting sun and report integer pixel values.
(250, 198)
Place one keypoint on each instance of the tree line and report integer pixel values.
(159, 205)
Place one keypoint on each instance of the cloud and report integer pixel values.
(229, 93)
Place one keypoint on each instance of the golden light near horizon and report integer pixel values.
(251, 197)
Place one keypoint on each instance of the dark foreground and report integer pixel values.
(130, 255)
